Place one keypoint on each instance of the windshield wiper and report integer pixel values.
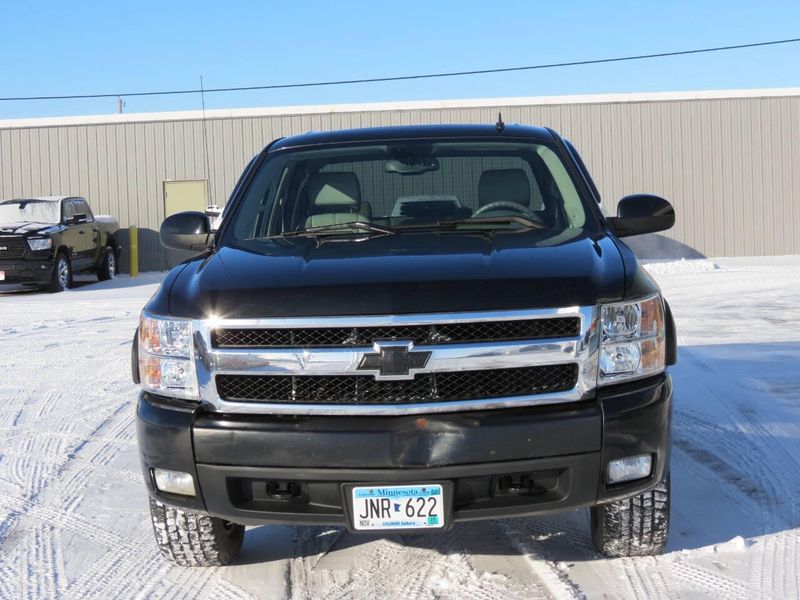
(480, 221)
(338, 229)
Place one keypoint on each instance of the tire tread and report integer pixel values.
(635, 526)
(192, 539)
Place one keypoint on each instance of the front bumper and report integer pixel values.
(22, 273)
(510, 462)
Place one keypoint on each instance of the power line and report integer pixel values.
(284, 86)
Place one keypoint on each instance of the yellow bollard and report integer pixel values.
(133, 233)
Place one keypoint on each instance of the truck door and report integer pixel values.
(69, 238)
(88, 233)
(77, 236)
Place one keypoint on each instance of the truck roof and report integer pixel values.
(46, 198)
(407, 132)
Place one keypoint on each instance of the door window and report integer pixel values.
(82, 208)
(69, 210)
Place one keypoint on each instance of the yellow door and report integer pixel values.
(180, 196)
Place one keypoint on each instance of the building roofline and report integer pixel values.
(325, 109)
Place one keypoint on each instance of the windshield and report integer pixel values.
(398, 187)
(34, 211)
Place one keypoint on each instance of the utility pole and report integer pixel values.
(120, 104)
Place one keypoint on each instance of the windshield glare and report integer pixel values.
(35, 211)
(483, 185)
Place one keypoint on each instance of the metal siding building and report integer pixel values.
(729, 161)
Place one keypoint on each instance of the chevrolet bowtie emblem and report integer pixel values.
(394, 360)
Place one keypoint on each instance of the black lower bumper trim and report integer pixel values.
(480, 491)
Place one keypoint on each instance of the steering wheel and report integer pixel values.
(508, 205)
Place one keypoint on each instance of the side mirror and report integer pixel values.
(642, 213)
(78, 218)
(186, 231)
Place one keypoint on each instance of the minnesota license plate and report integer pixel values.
(398, 507)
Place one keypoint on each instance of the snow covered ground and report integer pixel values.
(73, 512)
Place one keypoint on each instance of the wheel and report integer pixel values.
(635, 526)
(61, 279)
(108, 266)
(192, 539)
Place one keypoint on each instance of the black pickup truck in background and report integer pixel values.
(45, 240)
(399, 329)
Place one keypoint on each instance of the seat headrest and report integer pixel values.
(510, 185)
(339, 190)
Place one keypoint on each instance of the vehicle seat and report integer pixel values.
(508, 185)
(335, 198)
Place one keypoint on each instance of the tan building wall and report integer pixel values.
(728, 161)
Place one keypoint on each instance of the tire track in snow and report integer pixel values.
(709, 582)
(763, 467)
(413, 566)
(43, 562)
(225, 590)
(743, 467)
(556, 581)
(9, 576)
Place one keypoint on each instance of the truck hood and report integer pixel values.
(24, 227)
(397, 274)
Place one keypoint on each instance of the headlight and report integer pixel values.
(633, 344)
(40, 244)
(166, 357)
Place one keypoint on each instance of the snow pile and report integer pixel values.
(681, 266)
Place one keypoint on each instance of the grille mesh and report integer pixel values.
(428, 387)
(14, 247)
(451, 333)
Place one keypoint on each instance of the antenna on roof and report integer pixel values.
(500, 125)
(205, 138)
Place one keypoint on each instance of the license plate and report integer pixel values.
(2, 275)
(398, 507)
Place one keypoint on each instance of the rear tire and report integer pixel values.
(61, 278)
(108, 265)
(635, 526)
(192, 539)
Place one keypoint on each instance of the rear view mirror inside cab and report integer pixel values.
(411, 165)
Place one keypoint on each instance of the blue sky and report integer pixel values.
(52, 48)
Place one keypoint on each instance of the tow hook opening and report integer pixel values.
(528, 484)
(266, 494)
(283, 490)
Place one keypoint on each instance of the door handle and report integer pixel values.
(81, 231)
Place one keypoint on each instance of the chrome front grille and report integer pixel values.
(425, 388)
(349, 365)
(442, 333)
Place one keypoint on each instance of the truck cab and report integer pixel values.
(399, 329)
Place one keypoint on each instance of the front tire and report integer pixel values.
(192, 539)
(108, 266)
(61, 279)
(635, 526)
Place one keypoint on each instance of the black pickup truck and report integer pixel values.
(45, 240)
(400, 329)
